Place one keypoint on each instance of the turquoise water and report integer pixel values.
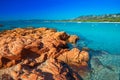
(97, 36)
(102, 38)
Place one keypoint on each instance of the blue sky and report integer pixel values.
(55, 9)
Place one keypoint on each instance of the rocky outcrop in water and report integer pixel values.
(39, 53)
(73, 39)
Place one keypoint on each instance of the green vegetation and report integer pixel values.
(94, 18)
(87, 18)
(99, 18)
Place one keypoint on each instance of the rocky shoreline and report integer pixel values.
(40, 54)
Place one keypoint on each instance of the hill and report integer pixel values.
(99, 18)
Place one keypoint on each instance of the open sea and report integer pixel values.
(103, 39)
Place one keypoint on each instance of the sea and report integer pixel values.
(102, 38)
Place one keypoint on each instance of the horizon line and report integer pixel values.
(59, 19)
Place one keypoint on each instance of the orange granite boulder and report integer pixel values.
(58, 69)
(75, 57)
(39, 53)
(73, 39)
(51, 69)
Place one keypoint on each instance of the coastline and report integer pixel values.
(62, 21)
(85, 22)
(81, 22)
(99, 59)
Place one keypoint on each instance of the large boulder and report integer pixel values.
(51, 69)
(58, 69)
(75, 57)
(38, 52)
(73, 39)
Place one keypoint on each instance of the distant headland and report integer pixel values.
(113, 18)
(99, 18)
(92, 18)
(95, 18)
(89, 18)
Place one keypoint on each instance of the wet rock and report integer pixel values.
(73, 39)
(96, 63)
(102, 69)
(85, 49)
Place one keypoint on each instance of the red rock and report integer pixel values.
(18, 67)
(14, 74)
(42, 58)
(26, 61)
(6, 77)
(58, 69)
(32, 64)
(33, 77)
(73, 39)
(39, 53)
(84, 64)
(74, 57)
(9, 64)
(61, 35)
(0, 61)
(24, 77)
(85, 55)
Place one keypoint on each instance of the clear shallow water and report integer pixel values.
(101, 37)
(97, 36)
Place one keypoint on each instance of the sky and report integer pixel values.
(55, 9)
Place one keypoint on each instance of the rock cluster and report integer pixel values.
(39, 54)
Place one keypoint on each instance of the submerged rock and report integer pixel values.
(96, 63)
(105, 66)
(1, 25)
(39, 53)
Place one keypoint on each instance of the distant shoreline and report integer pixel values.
(81, 22)
(61, 21)
(98, 22)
